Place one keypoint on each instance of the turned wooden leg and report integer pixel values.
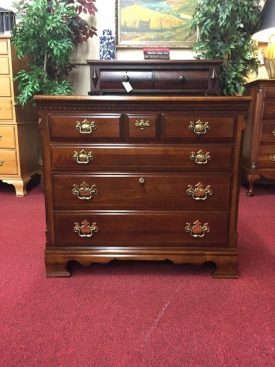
(251, 180)
(57, 271)
(226, 268)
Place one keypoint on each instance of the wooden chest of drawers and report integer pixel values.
(148, 178)
(152, 77)
(259, 139)
(19, 137)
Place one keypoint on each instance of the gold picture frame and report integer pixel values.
(153, 23)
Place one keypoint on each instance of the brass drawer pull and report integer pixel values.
(273, 132)
(200, 157)
(272, 157)
(85, 229)
(83, 157)
(197, 229)
(199, 191)
(85, 127)
(84, 191)
(141, 180)
(199, 127)
(2, 163)
(142, 124)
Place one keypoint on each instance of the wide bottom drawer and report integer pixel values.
(140, 228)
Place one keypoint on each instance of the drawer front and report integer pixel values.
(269, 110)
(85, 127)
(198, 125)
(112, 79)
(6, 112)
(141, 126)
(5, 86)
(266, 155)
(141, 191)
(8, 162)
(181, 79)
(118, 157)
(269, 92)
(4, 65)
(268, 132)
(7, 137)
(4, 49)
(140, 228)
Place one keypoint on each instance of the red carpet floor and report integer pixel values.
(135, 314)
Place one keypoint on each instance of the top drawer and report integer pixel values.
(85, 127)
(198, 125)
(4, 48)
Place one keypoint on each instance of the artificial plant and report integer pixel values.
(224, 32)
(48, 32)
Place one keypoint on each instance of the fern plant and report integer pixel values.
(48, 32)
(225, 29)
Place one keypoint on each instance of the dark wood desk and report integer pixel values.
(142, 178)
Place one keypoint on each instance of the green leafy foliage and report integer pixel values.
(46, 36)
(225, 28)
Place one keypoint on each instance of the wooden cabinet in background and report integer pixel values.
(259, 139)
(19, 138)
(142, 178)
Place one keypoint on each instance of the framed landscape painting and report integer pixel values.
(153, 23)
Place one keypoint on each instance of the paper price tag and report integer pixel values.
(127, 86)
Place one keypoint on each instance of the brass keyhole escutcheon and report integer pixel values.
(2, 163)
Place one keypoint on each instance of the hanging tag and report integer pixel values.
(127, 86)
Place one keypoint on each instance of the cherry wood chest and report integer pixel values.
(259, 139)
(141, 178)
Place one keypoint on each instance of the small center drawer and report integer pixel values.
(85, 127)
(141, 191)
(198, 125)
(141, 126)
(117, 157)
(140, 228)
